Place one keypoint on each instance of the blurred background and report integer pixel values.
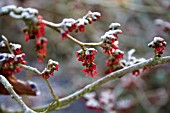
(148, 93)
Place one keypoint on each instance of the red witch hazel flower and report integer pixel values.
(70, 24)
(16, 48)
(111, 48)
(109, 39)
(87, 58)
(41, 48)
(159, 45)
(114, 61)
(67, 25)
(49, 70)
(9, 63)
(36, 32)
(41, 27)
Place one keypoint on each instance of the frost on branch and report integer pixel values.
(87, 57)
(114, 26)
(159, 45)
(35, 27)
(70, 24)
(19, 12)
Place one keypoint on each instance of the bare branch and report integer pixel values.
(107, 78)
(14, 95)
(30, 14)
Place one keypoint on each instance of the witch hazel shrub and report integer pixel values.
(118, 62)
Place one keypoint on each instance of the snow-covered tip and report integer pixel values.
(51, 62)
(3, 56)
(15, 46)
(113, 32)
(67, 25)
(159, 45)
(82, 21)
(151, 44)
(90, 51)
(19, 56)
(31, 10)
(53, 65)
(25, 15)
(156, 41)
(118, 51)
(80, 51)
(68, 22)
(19, 10)
(117, 31)
(8, 8)
(114, 26)
(95, 15)
(107, 37)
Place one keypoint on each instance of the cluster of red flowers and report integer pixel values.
(87, 57)
(9, 62)
(41, 48)
(70, 24)
(37, 32)
(49, 70)
(113, 61)
(109, 39)
(111, 48)
(159, 45)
